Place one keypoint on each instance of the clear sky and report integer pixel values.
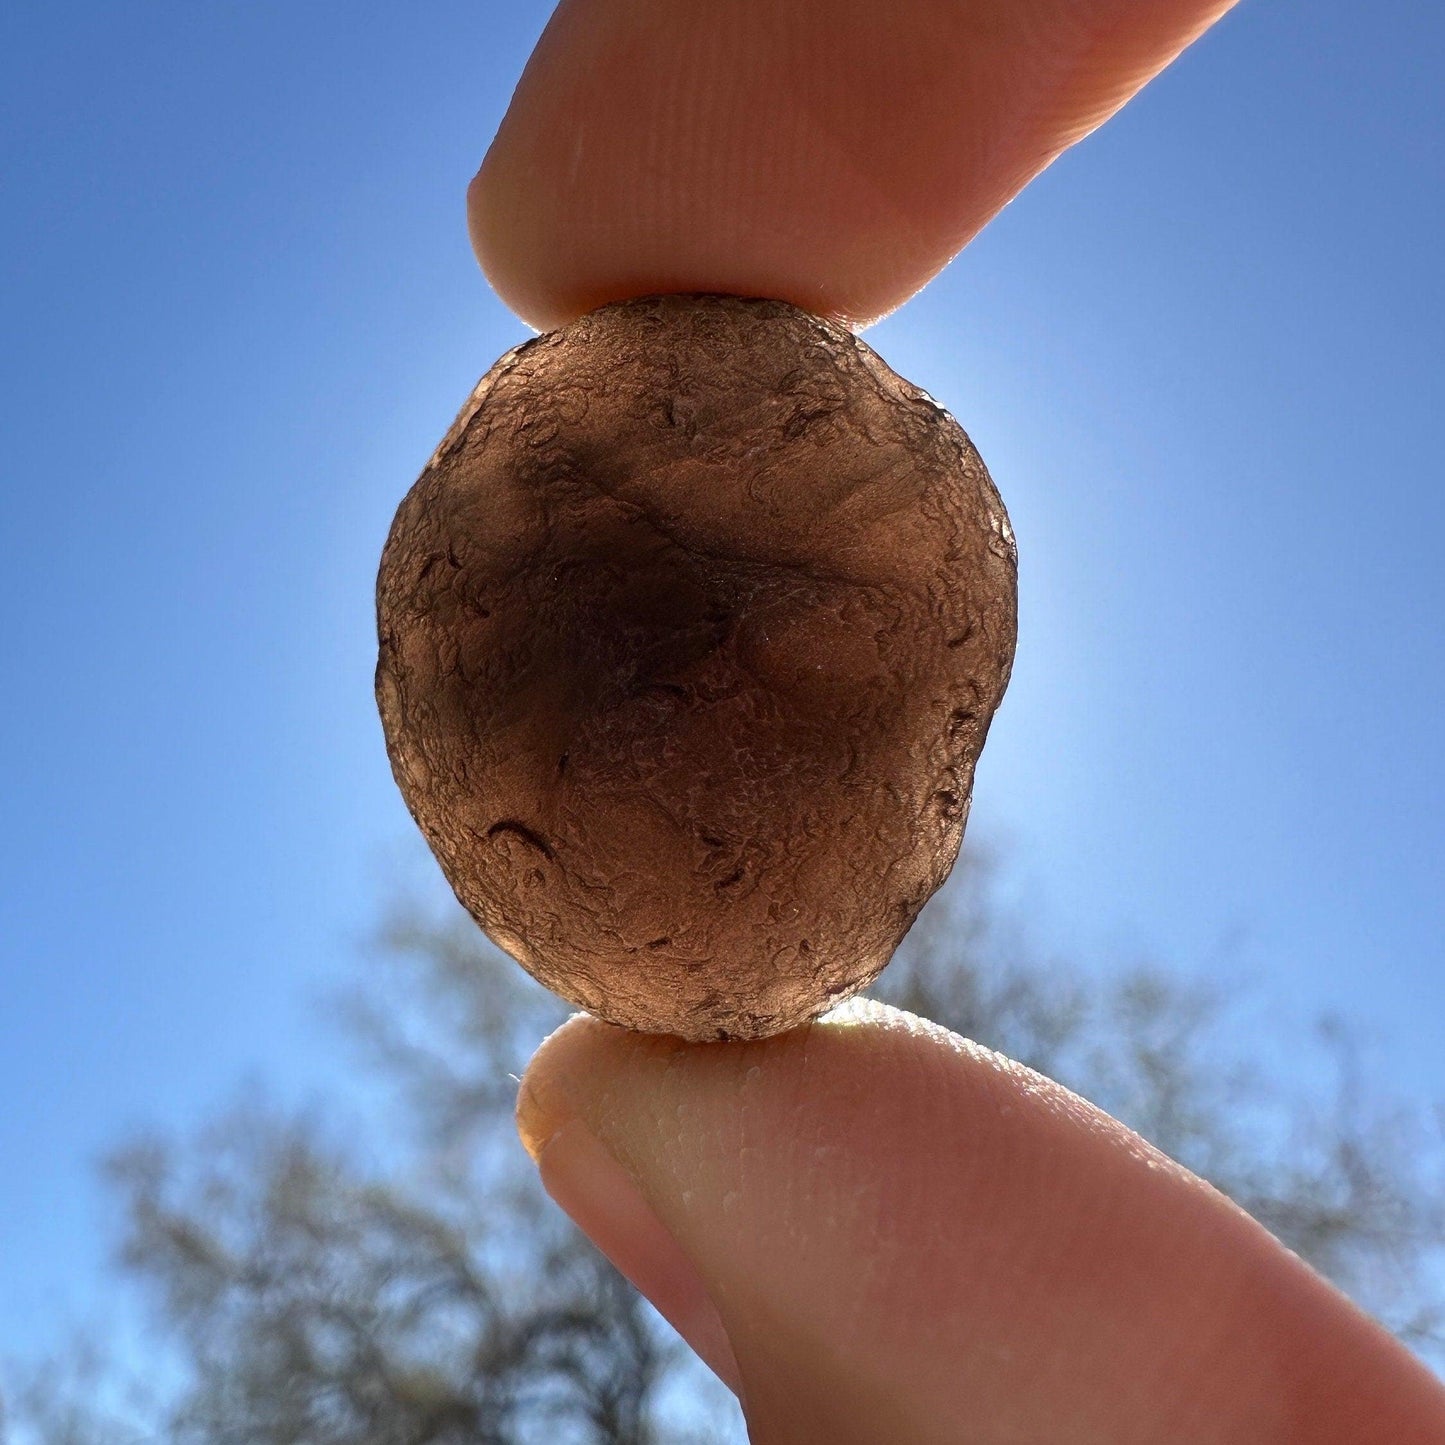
(1202, 356)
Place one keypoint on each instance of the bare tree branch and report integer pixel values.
(308, 1295)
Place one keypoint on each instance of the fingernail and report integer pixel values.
(598, 1193)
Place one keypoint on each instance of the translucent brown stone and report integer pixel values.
(691, 633)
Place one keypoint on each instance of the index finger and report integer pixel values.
(832, 153)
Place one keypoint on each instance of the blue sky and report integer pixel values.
(1201, 355)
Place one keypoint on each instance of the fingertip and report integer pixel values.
(572, 1073)
(835, 154)
(906, 1236)
(545, 1103)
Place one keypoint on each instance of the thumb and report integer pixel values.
(873, 1230)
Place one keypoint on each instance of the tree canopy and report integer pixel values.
(306, 1288)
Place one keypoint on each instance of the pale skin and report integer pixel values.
(872, 1230)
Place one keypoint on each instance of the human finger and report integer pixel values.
(875, 1230)
(831, 153)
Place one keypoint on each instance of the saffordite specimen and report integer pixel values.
(691, 632)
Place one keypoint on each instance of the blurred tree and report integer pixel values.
(307, 1292)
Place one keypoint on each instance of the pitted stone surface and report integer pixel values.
(691, 632)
